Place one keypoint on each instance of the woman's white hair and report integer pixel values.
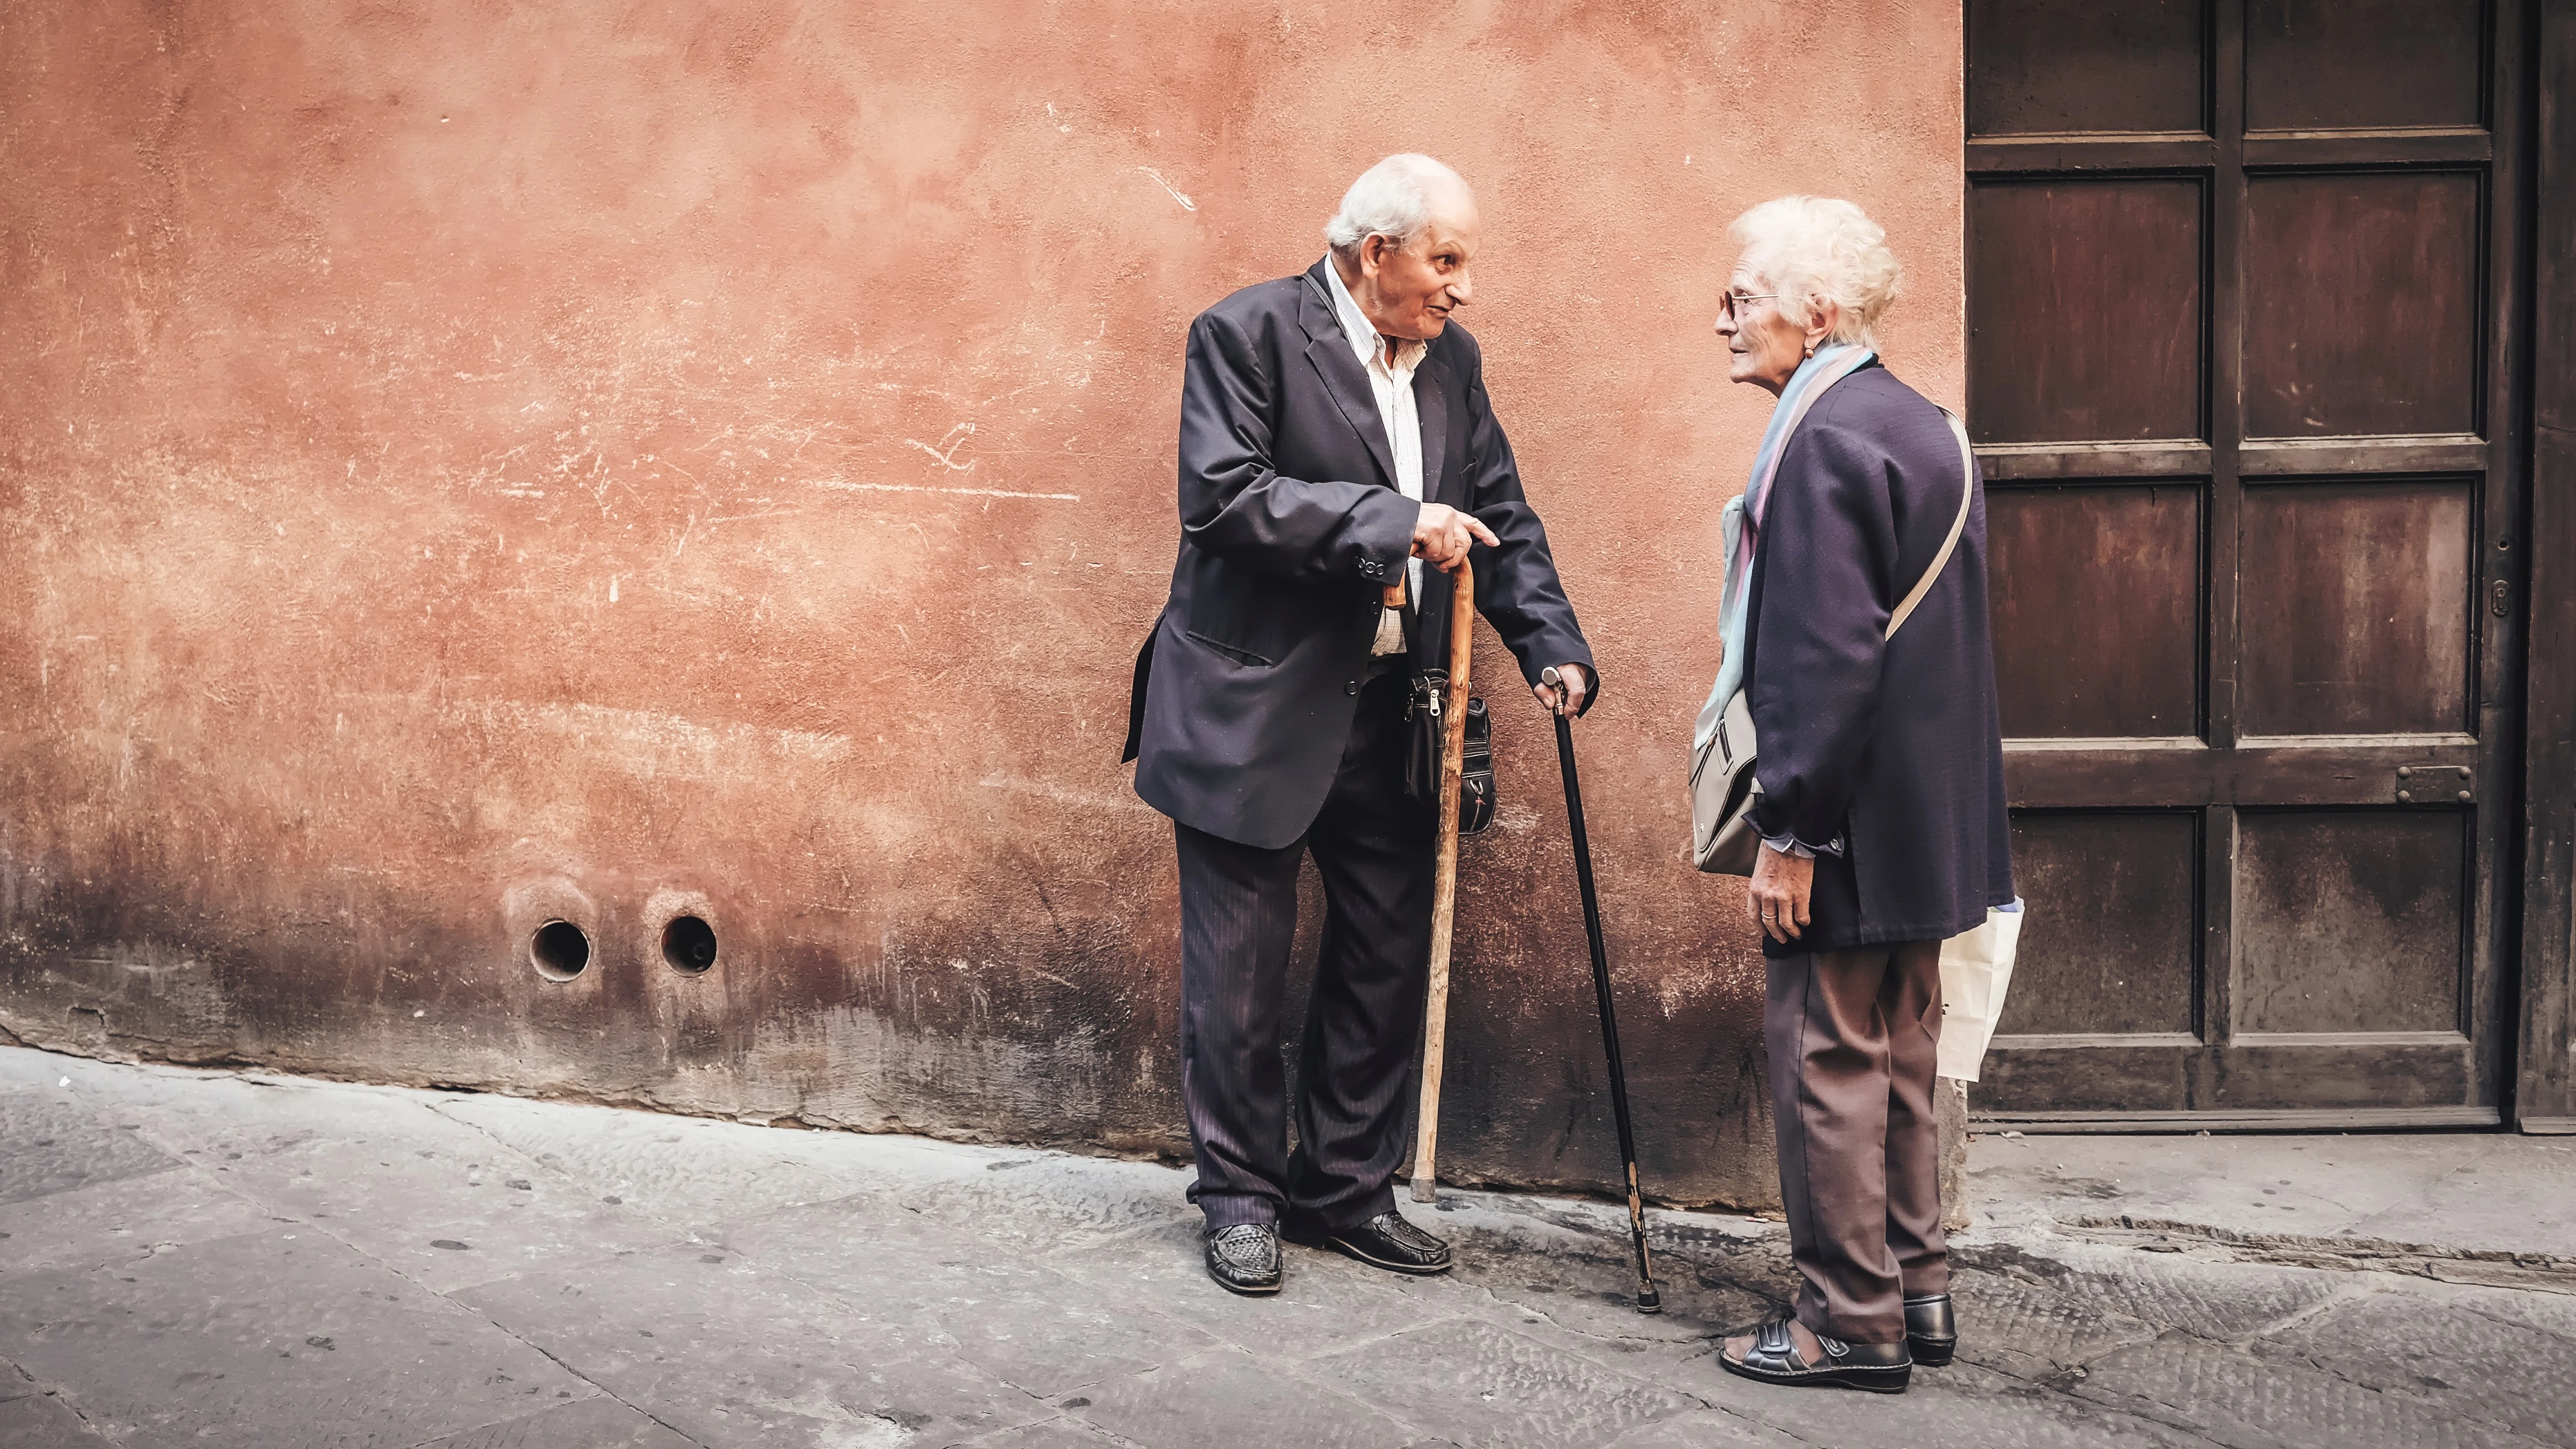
(1391, 199)
(1813, 249)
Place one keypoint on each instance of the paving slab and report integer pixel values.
(1326, 1302)
(1064, 1433)
(1480, 1383)
(593, 1423)
(2029, 1331)
(56, 1143)
(2444, 1354)
(2223, 1393)
(122, 1218)
(439, 1200)
(204, 1344)
(2519, 1196)
(2203, 1297)
(1227, 1395)
(27, 1067)
(682, 1170)
(1041, 1201)
(731, 1352)
(1960, 1407)
(1707, 1429)
(2474, 1192)
(2552, 1316)
(1016, 1319)
(43, 1421)
(1570, 1264)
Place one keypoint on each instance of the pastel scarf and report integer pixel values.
(1741, 522)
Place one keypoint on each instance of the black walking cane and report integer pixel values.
(1648, 1300)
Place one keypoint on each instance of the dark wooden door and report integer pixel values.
(2239, 280)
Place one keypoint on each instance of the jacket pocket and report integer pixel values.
(1234, 652)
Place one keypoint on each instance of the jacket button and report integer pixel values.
(1350, 686)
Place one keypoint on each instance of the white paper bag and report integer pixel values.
(1976, 969)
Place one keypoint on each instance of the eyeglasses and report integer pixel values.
(1733, 302)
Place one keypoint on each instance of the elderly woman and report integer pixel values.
(1880, 778)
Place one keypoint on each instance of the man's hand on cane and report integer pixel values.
(1561, 688)
(1778, 898)
(1442, 536)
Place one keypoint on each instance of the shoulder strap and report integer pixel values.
(1958, 525)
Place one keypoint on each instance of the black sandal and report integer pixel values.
(1878, 1368)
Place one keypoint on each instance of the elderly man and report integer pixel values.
(1335, 439)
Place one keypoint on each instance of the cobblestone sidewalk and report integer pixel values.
(220, 1260)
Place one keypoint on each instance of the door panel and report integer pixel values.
(2361, 298)
(2314, 65)
(2350, 921)
(2356, 615)
(2095, 600)
(2236, 349)
(2060, 268)
(2115, 953)
(2075, 65)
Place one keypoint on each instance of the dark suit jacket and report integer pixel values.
(1895, 745)
(1291, 527)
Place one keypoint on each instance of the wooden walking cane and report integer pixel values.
(1444, 881)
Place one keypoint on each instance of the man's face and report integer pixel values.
(1409, 291)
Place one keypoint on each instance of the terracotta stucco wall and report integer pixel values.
(470, 462)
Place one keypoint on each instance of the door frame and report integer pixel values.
(2545, 1079)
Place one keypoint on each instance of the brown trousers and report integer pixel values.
(1853, 1037)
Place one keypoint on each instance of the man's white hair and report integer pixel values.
(1813, 249)
(1391, 199)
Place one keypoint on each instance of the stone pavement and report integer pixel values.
(235, 1259)
(2469, 1206)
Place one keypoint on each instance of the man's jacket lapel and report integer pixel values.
(1329, 349)
(1431, 402)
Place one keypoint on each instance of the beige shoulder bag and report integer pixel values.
(1722, 786)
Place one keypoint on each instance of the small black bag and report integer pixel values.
(1476, 774)
(1423, 744)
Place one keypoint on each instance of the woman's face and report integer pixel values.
(1763, 345)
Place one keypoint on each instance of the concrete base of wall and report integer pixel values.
(89, 1031)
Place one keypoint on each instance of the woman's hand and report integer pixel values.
(1778, 897)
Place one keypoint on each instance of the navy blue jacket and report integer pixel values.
(1291, 527)
(1893, 745)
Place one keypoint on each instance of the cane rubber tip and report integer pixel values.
(1650, 1302)
(1425, 1190)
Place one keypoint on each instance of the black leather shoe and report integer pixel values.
(1386, 1241)
(1878, 1368)
(1244, 1258)
(1931, 1330)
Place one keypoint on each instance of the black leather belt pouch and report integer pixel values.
(1428, 732)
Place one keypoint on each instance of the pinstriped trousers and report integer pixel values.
(1373, 848)
(1854, 1038)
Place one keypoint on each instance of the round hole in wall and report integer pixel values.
(560, 950)
(689, 944)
